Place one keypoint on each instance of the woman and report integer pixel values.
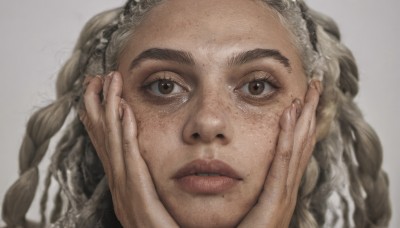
(207, 117)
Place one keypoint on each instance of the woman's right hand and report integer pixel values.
(112, 129)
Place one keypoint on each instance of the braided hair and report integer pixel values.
(343, 185)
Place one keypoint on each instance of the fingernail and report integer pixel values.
(105, 83)
(293, 112)
(100, 77)
(317, 85)
(299, 107)
(121, 112)
(111, 75)
(121, 108)
(86, 81)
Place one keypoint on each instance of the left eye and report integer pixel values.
(165, 87)
(257, 88)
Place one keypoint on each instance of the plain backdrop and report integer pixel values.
(38, 36)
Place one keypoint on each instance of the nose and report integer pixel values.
(208, 122)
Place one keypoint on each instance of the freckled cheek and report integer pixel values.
(157, 137)
(257, 137)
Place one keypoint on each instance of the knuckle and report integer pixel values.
(285, 155)
(106, 101)
(108, 128)
(126, 144)
(303, 142)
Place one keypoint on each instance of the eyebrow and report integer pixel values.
(186, 58)
(259, 53)
(163, 54)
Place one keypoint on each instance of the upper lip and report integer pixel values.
(207, 166)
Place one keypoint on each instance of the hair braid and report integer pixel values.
(303, 217)
(41, 127)
(361, 151)
(43, 200)
(56, 212)
(75, 164)
(374, 211)
(342, 132)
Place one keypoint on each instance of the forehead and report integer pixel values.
(209, 26)
(208, 19)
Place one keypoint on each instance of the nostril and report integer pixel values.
(196, 135)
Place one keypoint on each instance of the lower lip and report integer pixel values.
(206, 184)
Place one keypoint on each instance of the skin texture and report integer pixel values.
(143, 137)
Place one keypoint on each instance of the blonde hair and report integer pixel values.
(343, 185)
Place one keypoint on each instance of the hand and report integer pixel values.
(112, 129)
(295, 144)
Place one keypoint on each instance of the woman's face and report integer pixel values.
(208, 81)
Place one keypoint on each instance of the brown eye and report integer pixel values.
(256, 87)
(165, 86)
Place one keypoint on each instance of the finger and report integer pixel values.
(92, 116)
(139, 176)
(113, 129)
(107, 82)
(86, 81)
(304, 126)
(137, 170)
(91, 99)
(277, 175)
(92, 113)
(308, 150)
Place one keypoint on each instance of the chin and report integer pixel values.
(207, 221)
(208, 211)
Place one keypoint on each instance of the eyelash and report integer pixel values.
(147, 85)
(240, 90)
(272, 82)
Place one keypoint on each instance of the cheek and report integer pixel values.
(257, 139)
(158, 138)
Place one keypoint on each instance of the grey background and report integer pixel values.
(38, 36)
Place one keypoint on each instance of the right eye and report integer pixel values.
(165, 87)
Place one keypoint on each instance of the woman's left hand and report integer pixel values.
(295, 144)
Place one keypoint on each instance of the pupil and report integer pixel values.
(165, 86)
(256, 88)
